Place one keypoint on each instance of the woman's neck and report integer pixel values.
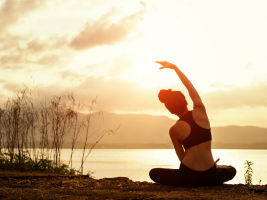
(183, 113)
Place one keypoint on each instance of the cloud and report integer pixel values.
(103, 32)
(9, 42)
(113, 94)
(3, 80)
(113, 68)
(118, 95)
(31, 52)
(34, 52)
(252, 95)
(11, 11)
(13, 58)
(70, 75)
(54, 42)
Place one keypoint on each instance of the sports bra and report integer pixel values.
(197, 135)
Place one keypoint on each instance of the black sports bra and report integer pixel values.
(197, 135)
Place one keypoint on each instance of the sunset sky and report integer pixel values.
(109, 49)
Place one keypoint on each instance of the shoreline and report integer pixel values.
(53, 186)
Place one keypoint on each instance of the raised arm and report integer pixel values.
(191, 90)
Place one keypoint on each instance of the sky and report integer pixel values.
(108, 49)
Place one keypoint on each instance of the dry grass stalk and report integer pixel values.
(25, 126)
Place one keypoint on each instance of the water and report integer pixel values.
(136, 163)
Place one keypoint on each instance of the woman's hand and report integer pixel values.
(165, 64)
(217, 161)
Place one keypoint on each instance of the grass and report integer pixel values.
(32, 134)
(30, 165)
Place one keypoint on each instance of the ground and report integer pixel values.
(18, 185)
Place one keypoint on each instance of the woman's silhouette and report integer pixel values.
(191, 137)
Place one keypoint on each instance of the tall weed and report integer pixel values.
(248, 173)
(32, 135)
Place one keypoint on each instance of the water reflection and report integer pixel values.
(136, 163)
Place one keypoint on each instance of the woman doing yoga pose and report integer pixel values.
(191, 137)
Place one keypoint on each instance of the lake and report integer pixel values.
(136, 163)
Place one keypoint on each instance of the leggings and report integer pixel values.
(185, 176)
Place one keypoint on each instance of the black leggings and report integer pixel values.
(189, 177)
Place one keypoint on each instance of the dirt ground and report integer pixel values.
(18, 185)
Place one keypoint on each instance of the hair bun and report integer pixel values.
(165, 95)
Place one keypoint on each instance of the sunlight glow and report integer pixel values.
(218, 45)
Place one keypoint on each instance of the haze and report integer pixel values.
(108, 48)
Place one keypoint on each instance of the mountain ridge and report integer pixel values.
(144, 128)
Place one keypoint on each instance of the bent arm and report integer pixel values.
(177, 145)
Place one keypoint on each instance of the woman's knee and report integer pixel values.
(226, 174)
(161, 175)
(153, 173)
(232, 172)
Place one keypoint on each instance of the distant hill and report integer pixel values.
(148, 129)
(239, 134)
(137, 128)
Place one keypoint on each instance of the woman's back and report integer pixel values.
(194, 128)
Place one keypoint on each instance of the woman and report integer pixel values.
(191, 137)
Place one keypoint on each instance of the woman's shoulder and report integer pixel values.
(200, 117)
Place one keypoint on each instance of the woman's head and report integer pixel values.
(174, 101)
